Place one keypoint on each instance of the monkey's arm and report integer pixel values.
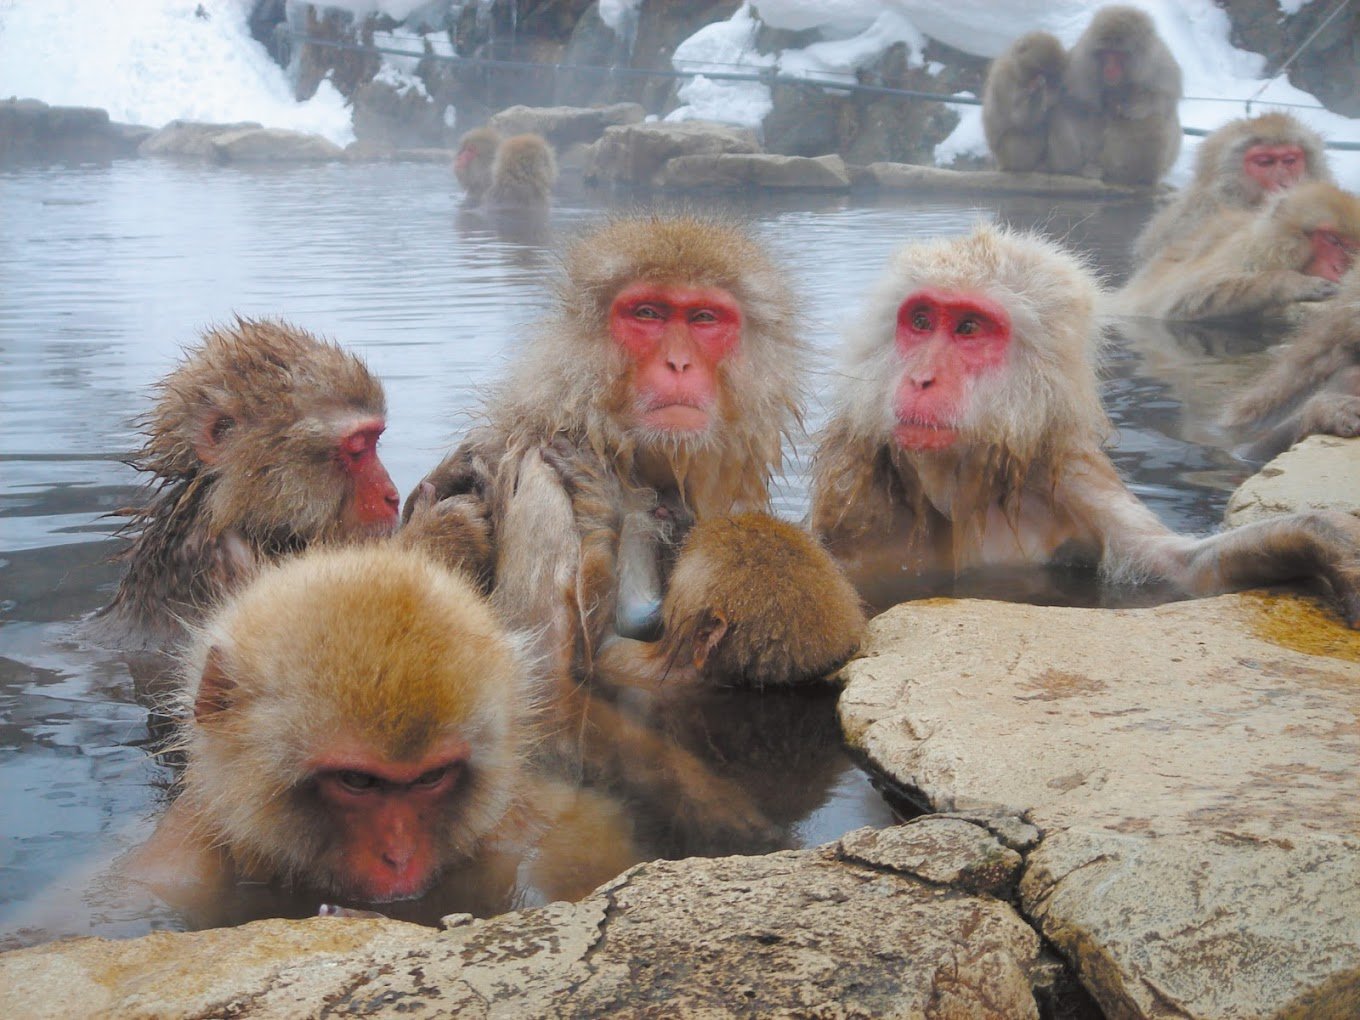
(1322, 414)
(1239, 294)
(1135, 545)
(179, 862)
(455, 531)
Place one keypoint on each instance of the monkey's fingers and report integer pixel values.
(331, 910)
(461, 472)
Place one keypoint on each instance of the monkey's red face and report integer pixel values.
(374, 504)
(676, 337)
(1113, 66)
(1275, 167)
(1332, 255)
(388, 818)
(946, 340)
(465, 156)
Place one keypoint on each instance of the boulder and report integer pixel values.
(755, 170)
(32, 131)
(272, 145)
(633, 154)
(910, 177)
(189, 138)
(399, 116)
(1320, 473)
(835, 931)
(1194, 770)
(564, 126)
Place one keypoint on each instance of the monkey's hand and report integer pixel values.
(456, 531)
(1313, 288)
(1330, 414)
(465, 472)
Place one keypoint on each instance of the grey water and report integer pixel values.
(106, 271)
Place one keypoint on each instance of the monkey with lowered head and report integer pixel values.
(263, 441)
(1023, 86)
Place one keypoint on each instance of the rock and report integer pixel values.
(945, 851)
(792, 934)
(372, 152)
(1320, 473)
(755, 170)
(564, 126)
(273, 145)
(400, 117)
(189, 138)
(30, 130)
(910, 177)
(633, 154)
(1194, 770)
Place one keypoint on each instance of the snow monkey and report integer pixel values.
(968, 433)
(670, 365)
(1253, 264)
(263, 441)
(1237, 167)
(473, 160)
(1313, 387)
(523, 174)
(355, 724)
(1118, 118)
(1023, 86)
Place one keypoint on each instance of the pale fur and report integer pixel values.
(1220, 183)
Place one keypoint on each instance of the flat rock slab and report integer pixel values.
(910, 177)
(190, 138)
(1320, 473)
(633, 154)
(1194, 770)
(566, 125)
(755, 170)
(272, 145)
(829, 932)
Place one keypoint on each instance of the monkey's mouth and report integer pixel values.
(679, 417)
(916, 435)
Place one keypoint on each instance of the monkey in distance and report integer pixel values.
(473, 160)
(1237, 167)
(505, 174)
(356, 724)
(1118, 118)
(968, 433)
(261, 442)
(1313, 386)
(1253, 264)
(1023, 86)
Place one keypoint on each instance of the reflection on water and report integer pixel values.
(106, 271)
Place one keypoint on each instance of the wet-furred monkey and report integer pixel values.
(1118, 118)
(670, 366)
(1269, 263)
(1237, 167)
(522, 174)
(968, 433)
(1023, 86)
(355, 723)
(262, 442)
(1313, 386)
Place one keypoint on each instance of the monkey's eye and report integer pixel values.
(703, 315)
(920, 320)
(221, 427)
(646, 312)
(431, 778)
(357, 782)
(968, 326)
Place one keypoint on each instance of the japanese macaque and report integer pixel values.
(355, 725)
(1261, 264)
(1023, 86)
(263, 441)
(1118, 118)
(670, 364)
(523, 174)
(1314, 385)
(473, 161)
(968, 433)
(1237, 167)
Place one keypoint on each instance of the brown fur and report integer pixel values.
(523, 174)
(1023, 85)
(1128, 133)
(475, 176)
(1220, 182)
(270, 395)
(1250, 265)
(372, 647)
(1027, 480)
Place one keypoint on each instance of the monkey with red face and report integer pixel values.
(263, 441)
(968, 434)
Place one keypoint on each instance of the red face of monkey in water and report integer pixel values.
(947, 341)
(1275, 166)
(675, 337)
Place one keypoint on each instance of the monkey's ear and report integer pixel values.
(707, 636)
(211, 431)
(215, 687)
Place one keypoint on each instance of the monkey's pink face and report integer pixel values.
(374, 503)
(676, 337)
(1114, 66)
(947, 340)
(1275, 167)
(1333, 253)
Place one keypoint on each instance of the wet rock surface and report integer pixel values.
(1320, 473)
(836, 931)
(1192, 769)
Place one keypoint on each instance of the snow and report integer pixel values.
(151, 61)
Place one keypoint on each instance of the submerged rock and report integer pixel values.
(835, 931)
(1194, 770)
(1320, 473)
